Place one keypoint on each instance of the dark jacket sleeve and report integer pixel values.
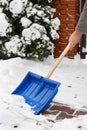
(82, 23)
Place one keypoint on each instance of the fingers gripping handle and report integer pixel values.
(58, 60)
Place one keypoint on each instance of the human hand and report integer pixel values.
(74, 39)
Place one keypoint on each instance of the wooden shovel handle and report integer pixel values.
(58, 60)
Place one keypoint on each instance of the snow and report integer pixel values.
(56, 23)
(30, 27)
(16, 114)
(25, 22)
(4, 25)
(54, 34)
(34, 32)
(18, 5)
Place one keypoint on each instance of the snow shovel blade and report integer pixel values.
(37, 91)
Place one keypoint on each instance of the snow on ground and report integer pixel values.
(16, 114)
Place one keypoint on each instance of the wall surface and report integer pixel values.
(68, 13)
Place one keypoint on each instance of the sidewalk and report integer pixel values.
(57, 111)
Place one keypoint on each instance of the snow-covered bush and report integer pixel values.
(27, 28)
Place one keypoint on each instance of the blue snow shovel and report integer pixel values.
(39, 91)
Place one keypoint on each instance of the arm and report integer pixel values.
(80, 29)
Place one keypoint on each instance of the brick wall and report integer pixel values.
(67, 11)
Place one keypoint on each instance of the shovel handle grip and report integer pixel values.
(58, 60)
